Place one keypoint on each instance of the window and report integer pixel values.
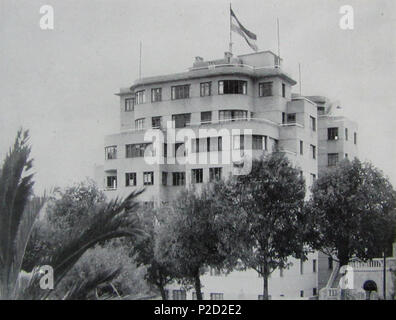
(195, 146)
(111, 182)
(355, 138)
(148, 178)
(313, 150)
(301, 266)
(238, 142)
(219, 144)
(178, 178)
(215, 174)
(332, 133)
(206, 89)
(164, 178)
(232, 115)
(194, 295)
(214, 272)
(181, 120)
(139, 124)
(156, 122)
(346, 134)
(332, 159)
(314, 265)
(181, 92)
(130, 179)
(129, 104)
(216, 296)
(265, 89)
(156, 94)
(330, 263)
(312, 123)
(301, 147)
(179, 295)
(177, 146)
(136, 150)
(313, 178)
(258, 142)
(197, 175)
(140, 97)
(232, 87)
(346, 155)
(291, 118)
(302, 293)
(283, 117)
(283, 90)
(111, 152)
(314, 292)
(208, 144)
(165, 154)
(206, 117)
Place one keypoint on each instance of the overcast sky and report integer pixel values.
(60, 83)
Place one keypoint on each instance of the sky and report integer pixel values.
(60, 83)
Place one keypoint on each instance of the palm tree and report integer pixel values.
(18, 214)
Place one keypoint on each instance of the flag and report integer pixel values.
(237, 27)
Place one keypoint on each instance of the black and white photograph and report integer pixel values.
(197, 150)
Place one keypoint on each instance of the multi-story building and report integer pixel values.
(231, 109)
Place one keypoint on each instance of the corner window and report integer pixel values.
(265, 89)
(156, 95)
(291, 118)
(232, 87)
(129, 104)
(111, 152)
(181, 92)
(148, 178)
(136, 150)
(232, 115)
(130, 179)
(140, 97)
(332, 133)
(206, 89)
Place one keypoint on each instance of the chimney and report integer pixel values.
(227, 56)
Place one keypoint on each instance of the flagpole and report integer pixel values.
(230, 45)
(140, 61)
(279, 58)
(299, 75)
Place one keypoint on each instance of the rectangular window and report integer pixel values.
(197, 175)
(313, 150)
(283, 90)
(156, 122)
(165, 154)
(346, 134)
(313, 123)
(206, 89)
(156, 95)
(177, 152)
(238, 142)
(140, 124)
(314, 265)
(257, 142)
(265, 89)
(136, 150)
(219, 144)
(313, 178)
(148, 178)
(181, 120)
(111, 152)
(140, 97)
(302, 293)
(164, 178)
(179, 178)
(215, 174)
(181, 92)
(314, 291)
(179, 295)
(129, 104)
(232, 115)
(301, 147)
(332, 159)
(232, 87)
(216, 296)
(130, 179)
(283, 117)
(111, 182)
(332, 133)
(355, 138)
(291, 118)
(206, 117)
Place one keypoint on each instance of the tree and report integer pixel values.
(18, 213)
(157, 273)
(189, 240)
(353, 207)
(266, 214)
